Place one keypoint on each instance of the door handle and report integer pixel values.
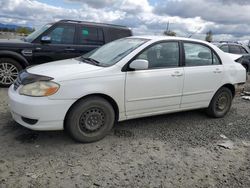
(176, 74)
(217, 71)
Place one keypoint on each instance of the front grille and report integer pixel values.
(17, 83)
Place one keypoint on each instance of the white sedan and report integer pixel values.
(125, 79)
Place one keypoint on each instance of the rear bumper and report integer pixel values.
(48, 114)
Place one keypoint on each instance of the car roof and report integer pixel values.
(159, 37)
(94, 24)
(227, 43)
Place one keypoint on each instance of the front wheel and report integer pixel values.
(90, 119)
(221, 103)
(9, 69)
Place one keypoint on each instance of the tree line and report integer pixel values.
(19, 30)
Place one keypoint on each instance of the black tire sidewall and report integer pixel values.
(13, 62)
(212, 107)
(73, 118)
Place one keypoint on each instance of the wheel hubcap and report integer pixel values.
(8, 73)
(222, 102)
(92, 120)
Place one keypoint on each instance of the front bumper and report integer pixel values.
(50, 114)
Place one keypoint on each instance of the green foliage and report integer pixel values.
(169, 33)
(20, 30)
(23, 30)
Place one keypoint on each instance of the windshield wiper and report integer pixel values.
(90, 60)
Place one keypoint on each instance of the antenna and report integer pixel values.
(194, 32)
(167, 26)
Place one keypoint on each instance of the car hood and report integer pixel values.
(64, 70)
(13, 43)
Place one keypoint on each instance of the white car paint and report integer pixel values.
(136, 93)
(234, 56)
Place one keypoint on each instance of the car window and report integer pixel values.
(235, 49)
(161, 55)
(199, 55)
(62, 35)
(224, 48)
(243, 50)
(91, 35)
(36, 33)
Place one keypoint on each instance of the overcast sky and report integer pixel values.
(228, 19)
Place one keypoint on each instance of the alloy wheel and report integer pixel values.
(8, 73)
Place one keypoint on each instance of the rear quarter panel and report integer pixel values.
(235, 73)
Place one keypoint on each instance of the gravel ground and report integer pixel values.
(175, 150)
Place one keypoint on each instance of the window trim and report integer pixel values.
(202, 44)
(126, 68)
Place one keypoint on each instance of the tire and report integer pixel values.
(9, 69)
(90, 119)
(220, 103)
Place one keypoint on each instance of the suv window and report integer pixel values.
(91, 35)
(243, 50)
(161, 55)
(235, 49)
(62, 35)
(119, 33)
(199, 55)
(224, 48)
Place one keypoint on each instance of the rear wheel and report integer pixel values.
(9, 69)
(90, 119)
(221, 103)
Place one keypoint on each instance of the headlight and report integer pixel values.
(39, 89)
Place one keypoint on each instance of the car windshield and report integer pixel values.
(113, 52)
(36, 33)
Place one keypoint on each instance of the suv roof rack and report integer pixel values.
(92, 23)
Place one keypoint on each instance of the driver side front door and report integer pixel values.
(62, 45)
(159, 88)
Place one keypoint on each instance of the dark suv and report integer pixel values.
(236, 48)
(55, 41)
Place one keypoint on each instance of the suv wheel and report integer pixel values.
(221, 103)
(90, 119)
(9, 70)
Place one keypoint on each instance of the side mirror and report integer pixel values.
(46, 39)
(139, 64)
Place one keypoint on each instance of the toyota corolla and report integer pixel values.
(129, 78)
